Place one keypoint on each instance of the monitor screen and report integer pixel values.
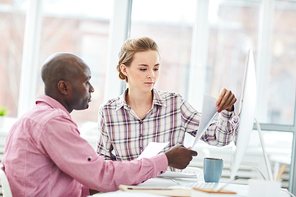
(246, 113)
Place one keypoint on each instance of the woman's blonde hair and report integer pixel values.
(129, 48)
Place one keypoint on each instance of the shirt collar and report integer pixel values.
(121, 102)
(51, 102)
(157, 99)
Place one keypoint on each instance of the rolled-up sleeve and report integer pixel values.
(219, 133)
(223, 131)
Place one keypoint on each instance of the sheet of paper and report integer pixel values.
(125, 194)
(171, 174)
(157, 191)
(209, 111)
(153, 149)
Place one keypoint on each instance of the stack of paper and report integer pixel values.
(177, 175)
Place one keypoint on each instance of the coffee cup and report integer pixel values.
(212, 169)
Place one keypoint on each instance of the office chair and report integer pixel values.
(5, 184)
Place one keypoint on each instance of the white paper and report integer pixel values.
(152, 149)
(209, 111)
(171, 174)
(125, 194)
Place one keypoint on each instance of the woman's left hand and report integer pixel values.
(225, 100)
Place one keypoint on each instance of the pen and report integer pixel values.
(148, 188)
(280, 172)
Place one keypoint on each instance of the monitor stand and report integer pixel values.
(267, 163)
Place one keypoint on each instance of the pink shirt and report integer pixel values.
(45, 156)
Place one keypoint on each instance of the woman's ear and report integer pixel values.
(64, 87)
(123, 69)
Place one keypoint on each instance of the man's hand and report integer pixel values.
(225, 100)
(179, 156)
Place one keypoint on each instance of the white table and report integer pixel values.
(241, 190)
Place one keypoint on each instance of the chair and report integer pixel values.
(5, 184)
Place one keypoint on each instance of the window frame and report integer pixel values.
(29, 67)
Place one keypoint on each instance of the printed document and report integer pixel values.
(209, 111)
(153, 149)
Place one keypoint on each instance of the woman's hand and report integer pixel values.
(225, 100)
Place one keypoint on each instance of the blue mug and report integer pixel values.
(212, 169)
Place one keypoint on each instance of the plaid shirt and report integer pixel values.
(122, 133)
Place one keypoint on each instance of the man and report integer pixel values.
(45, 155)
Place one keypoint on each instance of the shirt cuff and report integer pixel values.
(160, 163)
(85, 191)
(226, 114)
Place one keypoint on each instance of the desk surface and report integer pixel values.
(241, 190)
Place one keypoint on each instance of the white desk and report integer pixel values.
(241, 190)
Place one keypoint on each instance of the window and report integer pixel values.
(170, 24)
(82, 28)
(233, 29)
(12, 27)
(281, 77)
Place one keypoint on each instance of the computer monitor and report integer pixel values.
(246, 113)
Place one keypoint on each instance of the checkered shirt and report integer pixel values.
(124, 136)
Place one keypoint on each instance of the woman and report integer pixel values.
(143, 114)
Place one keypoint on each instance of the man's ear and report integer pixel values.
(123, 69)
(64, 87)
